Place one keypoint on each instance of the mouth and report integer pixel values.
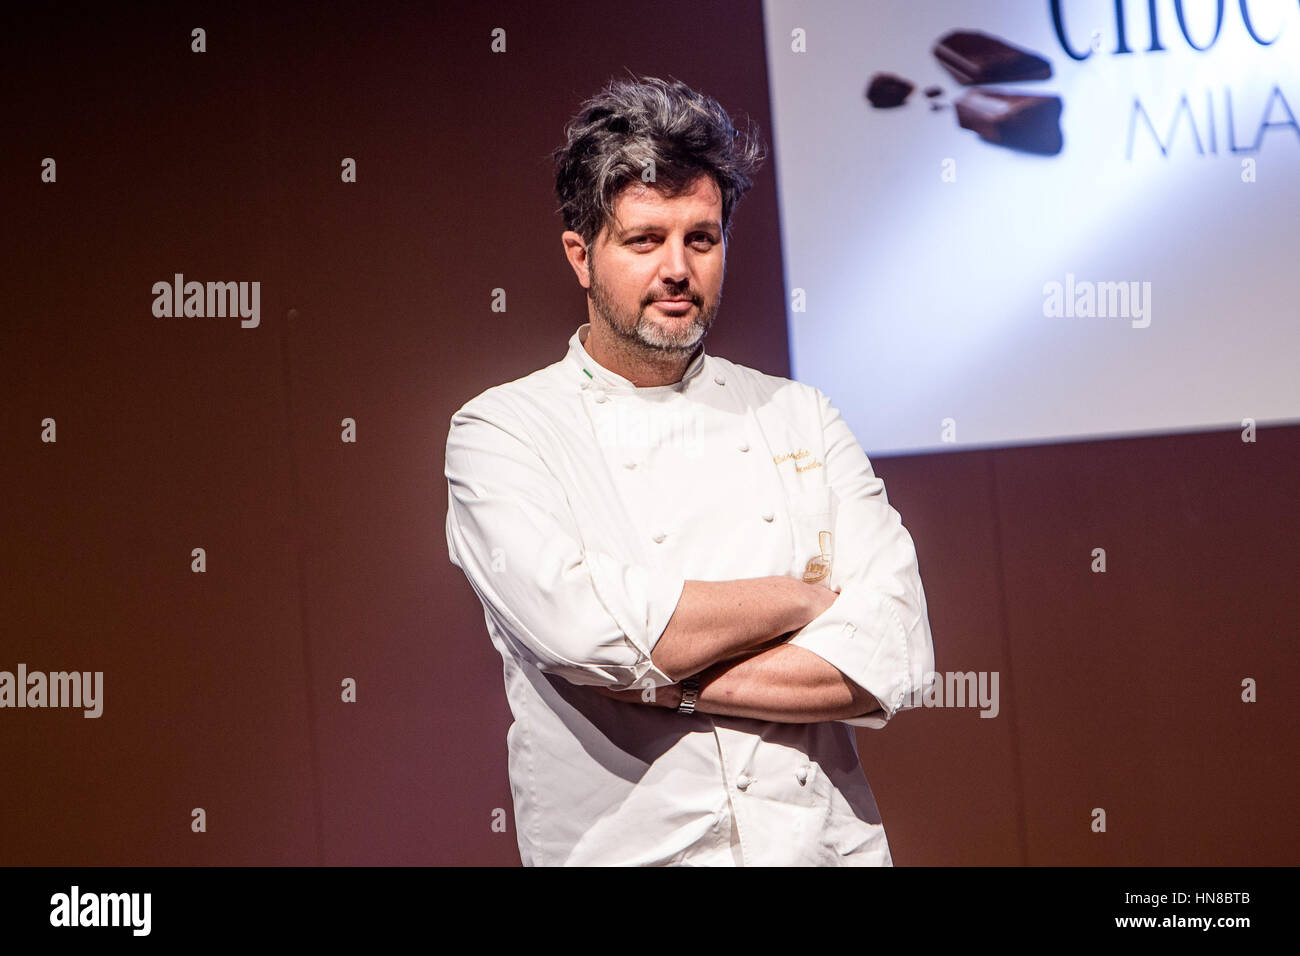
(674, 305)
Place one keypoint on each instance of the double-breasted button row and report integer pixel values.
(744, 781)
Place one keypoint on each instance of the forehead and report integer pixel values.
(701, 199)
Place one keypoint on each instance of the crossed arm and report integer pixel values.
(732, 635)
(772, 648)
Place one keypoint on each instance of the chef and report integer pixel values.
(692, 574)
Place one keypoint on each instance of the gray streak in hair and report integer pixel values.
(629, 124)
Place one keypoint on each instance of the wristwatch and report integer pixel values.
(690, 694)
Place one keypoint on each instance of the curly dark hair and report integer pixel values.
(649, 123)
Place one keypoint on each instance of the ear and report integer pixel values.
(575, 250)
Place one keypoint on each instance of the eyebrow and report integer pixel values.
(656, 227)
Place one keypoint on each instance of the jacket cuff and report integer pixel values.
(642, 602)
(861, 636)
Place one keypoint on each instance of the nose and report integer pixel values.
(673, 270)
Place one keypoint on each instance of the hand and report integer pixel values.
(667, 696)
(820, 597)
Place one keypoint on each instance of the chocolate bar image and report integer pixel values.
(973, 57)
(1030, 124)
(887, 90)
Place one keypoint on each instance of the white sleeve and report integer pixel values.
(877, 632)
(581, 614)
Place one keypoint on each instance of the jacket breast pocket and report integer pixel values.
(812, 526)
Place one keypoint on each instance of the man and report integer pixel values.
(691, 572)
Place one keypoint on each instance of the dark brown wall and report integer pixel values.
(328, 560)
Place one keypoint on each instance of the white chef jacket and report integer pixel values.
(578, 507)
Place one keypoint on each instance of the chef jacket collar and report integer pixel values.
(580, 358)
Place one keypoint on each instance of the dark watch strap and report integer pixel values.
(690, 694)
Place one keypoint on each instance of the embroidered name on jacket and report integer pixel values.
(800, 464)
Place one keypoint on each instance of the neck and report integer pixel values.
(642, 366)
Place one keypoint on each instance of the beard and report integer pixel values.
(643, 332)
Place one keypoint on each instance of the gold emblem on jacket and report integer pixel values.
(820, 566)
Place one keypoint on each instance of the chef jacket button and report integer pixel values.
(802, 775)
(743, 781)
(717, 820)
(659, 537)
(601, 397)
(768, 516)
(744, 446)
(720, 380)
(629, 464)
